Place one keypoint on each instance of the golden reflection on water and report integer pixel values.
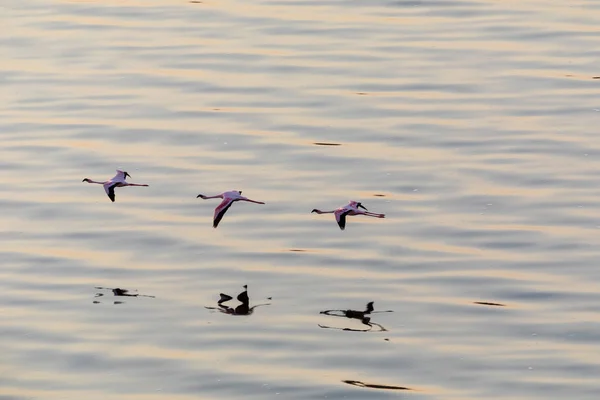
(451, 117)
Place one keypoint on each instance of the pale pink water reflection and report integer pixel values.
(474, 120)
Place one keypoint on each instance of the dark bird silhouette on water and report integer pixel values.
(363, 316)
(242, 309)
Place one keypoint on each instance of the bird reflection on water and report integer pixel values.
(118, 292)
(363, 316)
(375, 386)
(242, 309)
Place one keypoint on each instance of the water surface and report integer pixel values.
(471, 124)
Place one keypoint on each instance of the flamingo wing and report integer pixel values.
(109, 188)
(221, 210)
(120, 176)
(340, 217)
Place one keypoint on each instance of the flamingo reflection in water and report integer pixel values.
(242, 309)
(363, 316)
(118, 292)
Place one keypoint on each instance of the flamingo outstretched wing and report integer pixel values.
(120, 176)
(340, 217)
(109, 188)
(221, 210)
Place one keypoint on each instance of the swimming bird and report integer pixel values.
(352, 208)
(228, 199)
(116, 181)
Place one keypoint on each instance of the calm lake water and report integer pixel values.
(473, 125)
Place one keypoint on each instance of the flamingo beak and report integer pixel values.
(314, 210)
(199, 196)
(363, 207)
(127, 174)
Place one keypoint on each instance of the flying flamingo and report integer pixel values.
(228, 199)
(116, 181)
(351, 208)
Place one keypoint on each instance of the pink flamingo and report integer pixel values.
(351, 208)
(228, 199)
(116, 181)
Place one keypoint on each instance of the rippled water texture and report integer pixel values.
(473, 125)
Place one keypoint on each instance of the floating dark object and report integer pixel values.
(372, 386)
(327, 144)
(362, 93)
(298, 250)
(196, 2)
(354, 314)
(379, 195)
(487, 303)
(242, 309)
(596, 77)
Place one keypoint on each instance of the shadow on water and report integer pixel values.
(487, 303)
(118, 292)
(363, 316)
(327, 144)
(373, 386)
(242, 309)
